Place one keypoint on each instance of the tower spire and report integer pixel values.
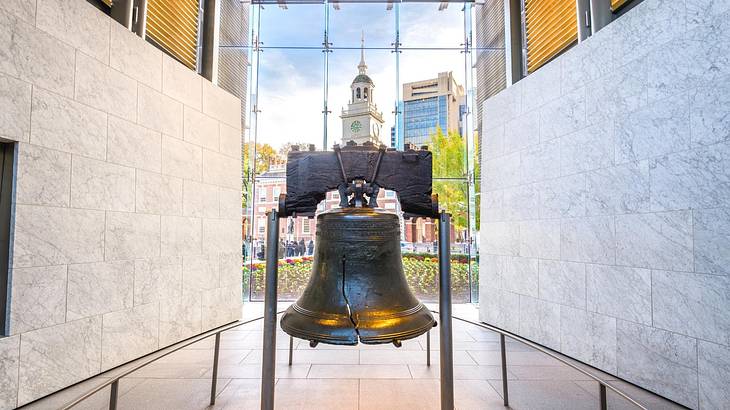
(362, 67)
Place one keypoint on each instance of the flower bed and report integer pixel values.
(421, 271)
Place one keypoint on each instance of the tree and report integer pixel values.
(284, 150)
(265, 156)
(449, 152)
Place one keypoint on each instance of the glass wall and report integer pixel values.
(304, 59)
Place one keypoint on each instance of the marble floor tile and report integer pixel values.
(460, 372)
(240, 394)
(180, 394)
(99, 400)
(533, 358)
(399, 394)
(170, 370)
(359, 371)
(461, 357)
(253, 371)
(205, 357)
(547, 395)
(316, 394)
(314, 356)
(547, 373)
(476, 394)
(615, 401)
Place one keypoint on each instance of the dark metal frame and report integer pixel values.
(7, 169)
(268, 368)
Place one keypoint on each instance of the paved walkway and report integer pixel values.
(361, 377)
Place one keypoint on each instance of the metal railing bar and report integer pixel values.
(179, 346)
(602, 383)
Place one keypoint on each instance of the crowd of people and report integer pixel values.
(288, 249)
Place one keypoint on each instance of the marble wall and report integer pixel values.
(126, 220)
(605, 220)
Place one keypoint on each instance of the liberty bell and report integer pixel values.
(357, 291)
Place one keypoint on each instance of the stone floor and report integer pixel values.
(361, 377)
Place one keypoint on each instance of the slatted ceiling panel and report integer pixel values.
(173, 25)
(615, 4)
(551, 26)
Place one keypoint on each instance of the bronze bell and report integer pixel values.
(357, 290)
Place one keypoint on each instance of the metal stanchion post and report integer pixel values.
(602, 392)
(291, 349)
(268, 366)
(113, 395)
(447, 355)
(214, 382)
(503, 350)
(428, 348)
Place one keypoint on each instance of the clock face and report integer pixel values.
(356, 126)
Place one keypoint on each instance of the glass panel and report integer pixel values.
(295, 26)
(432, 25)
(348, 22)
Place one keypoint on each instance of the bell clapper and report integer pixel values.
(313, 343)
(397, 343)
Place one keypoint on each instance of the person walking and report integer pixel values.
(310, 247)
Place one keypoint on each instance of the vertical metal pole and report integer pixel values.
(268, 367)
(140, 19)
(428, 348)
(210, 41)
(602, 392)
(447, 354)
(291, 349)
(113, 395)
(505, 391)
(214, 382)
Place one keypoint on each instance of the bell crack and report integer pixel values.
(347, 302)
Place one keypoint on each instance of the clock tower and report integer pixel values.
(361, 121)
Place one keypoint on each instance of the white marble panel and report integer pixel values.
(563, 197)
(221, 306)
(200, 129)
(588, 337)
(709, 122)
(230, 141)
(501, 172)
(520, 276)
(181, 236)
(540, 321)
(230, 203)
(491, 270)
(101, 185)
(540, 162)
(618, 190)
(68, 126)
(130, 236)
(540, 238)
(620, 292)
(182, 159)
(37, 298)
(664, 19)
(658, 129)
(157, 279)
(159, 112)
(521, 202)
(180, 318)
(200, 272)
(563, 283)
(661, 361)
(55, 357)
(522, 132)
(105, 88)
(492, 142)
(500, 308)
(692, 304)
(501, 238)
(158, 194)
(55, 236)
(692, 179)
(541, 87)
(23, 9)
(492, 205)
(502, 107)
(134, 57)
(221, 170)
(43, 176)
(714, 372)
(15, 116)
(562, 116)
(221, 235)
(618, 94)
(660, 240)
(591, 239)
(77, 23)
(34, 56)
(181, 83)
(591, 61)
(129, 334)
(221, 105)
(230, 268)
(133, 145)
(712, 241)
(9, 364)
(200, 200)
(97, 288)
(587, 149)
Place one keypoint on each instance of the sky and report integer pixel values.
(291, 80)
